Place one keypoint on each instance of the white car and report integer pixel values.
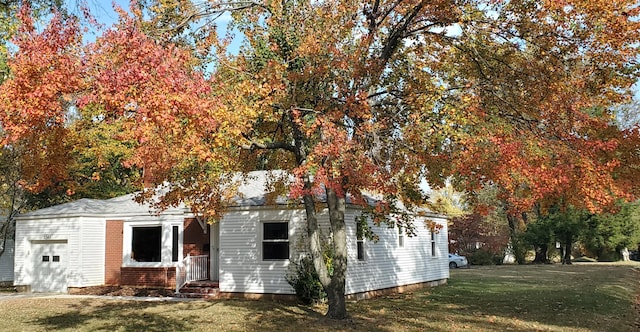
(456, 261)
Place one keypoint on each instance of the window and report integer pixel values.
(152, 243)
(433, 244)
(400, 237)
(275, 240)
(56, 258)
(45, 258)
(359, 240)
(146, 244)
(174, 243)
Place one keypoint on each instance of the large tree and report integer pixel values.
(347, 96)
(13, 197)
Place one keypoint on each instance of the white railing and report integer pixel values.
(192, 268)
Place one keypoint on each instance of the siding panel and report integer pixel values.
(241, 266)
(388, 265)
(92, 252)
(6, 262)
(45, 229)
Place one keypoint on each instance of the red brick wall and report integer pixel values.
(113, 252)
(196, 241)
(148, 276)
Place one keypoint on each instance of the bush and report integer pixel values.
(609, 256)
(483, 257)
(305, 281)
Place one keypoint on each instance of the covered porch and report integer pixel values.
(161, 253)
(197, 275)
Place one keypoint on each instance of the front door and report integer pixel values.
(49, 266)
(214, 254)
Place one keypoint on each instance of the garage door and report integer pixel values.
(49, 266)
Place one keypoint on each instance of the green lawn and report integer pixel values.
(582, 297)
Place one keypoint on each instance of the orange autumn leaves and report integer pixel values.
(163, 107)
(371, 95)
(34, 101)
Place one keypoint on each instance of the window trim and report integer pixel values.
(433, 243)
(166, 242)
(400, 237)
(263, 240)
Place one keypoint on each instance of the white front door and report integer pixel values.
(49, 266)
(214, 254)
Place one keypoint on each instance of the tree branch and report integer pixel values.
(267, 146)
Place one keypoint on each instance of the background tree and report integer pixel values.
(540, 235)
(568, 224)
(483, 236)
(607, 234)
(12, 193)
(449, 202)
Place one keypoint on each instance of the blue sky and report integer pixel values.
(105, 14)
(103, 10)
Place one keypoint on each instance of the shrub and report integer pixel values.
(305, 281)
(483, 257)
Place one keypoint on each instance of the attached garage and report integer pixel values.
(96, 242)
(54, 253)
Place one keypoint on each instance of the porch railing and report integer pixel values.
(192, 268)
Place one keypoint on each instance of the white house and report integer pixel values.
(248, 252)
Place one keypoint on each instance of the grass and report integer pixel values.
(582, 297)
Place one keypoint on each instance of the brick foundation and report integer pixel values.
(148, 276)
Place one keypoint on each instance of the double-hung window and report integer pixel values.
(275, 240)
(433, 243)
(359, 240)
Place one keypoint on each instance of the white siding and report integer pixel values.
(388, 265)
(6, 262)
(92, 253)
(85, 250)
(42, 229)
(241, 266)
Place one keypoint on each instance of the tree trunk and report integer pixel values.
(315, 242)
(337, 302)
(541, 254)
(516, 244)
(567, 250)
(4, 230)
(334, 285)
